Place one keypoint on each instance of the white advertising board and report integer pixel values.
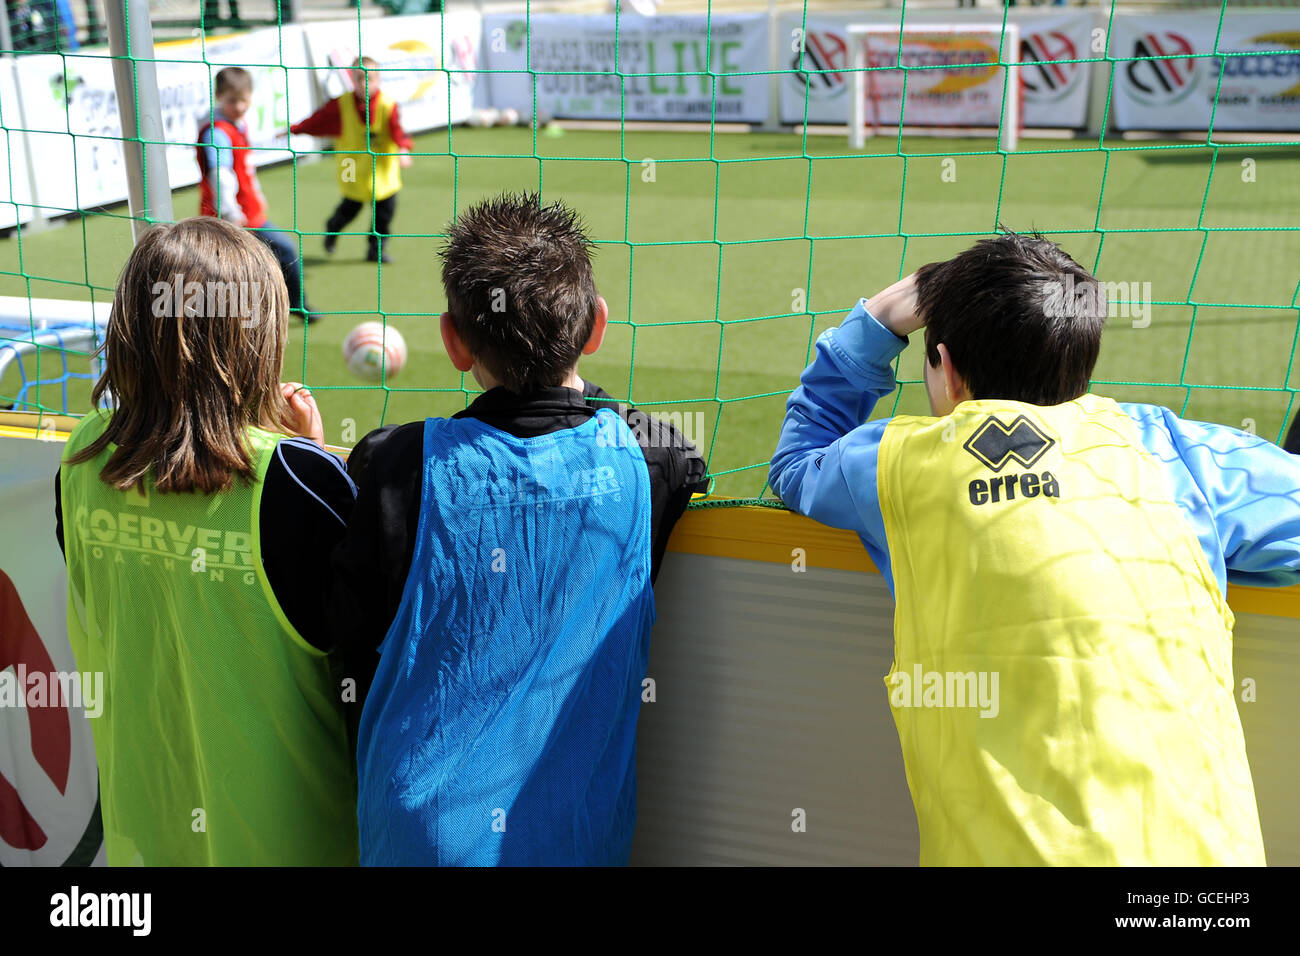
(428, 64)
(683, 68)
(1054, 90)
(1164, 78)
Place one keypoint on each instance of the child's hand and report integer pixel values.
(404, 158)
(895, 307)
(307, 421)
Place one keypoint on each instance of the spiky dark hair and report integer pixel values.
(519, 287)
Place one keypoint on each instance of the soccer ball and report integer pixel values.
(484, 117)
(369, 349)
(509, 117)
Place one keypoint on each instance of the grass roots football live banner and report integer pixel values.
(427, 62)
(49, 810)
(1054, 91)
(1259, 88)
(572, 61)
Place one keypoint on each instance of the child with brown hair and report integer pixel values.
(192, 521)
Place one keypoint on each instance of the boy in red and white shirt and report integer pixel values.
(228, 187)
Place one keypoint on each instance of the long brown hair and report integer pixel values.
(186, 368)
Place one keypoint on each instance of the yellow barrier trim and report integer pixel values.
(770, 535)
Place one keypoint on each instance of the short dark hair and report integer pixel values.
(1021, 320)
(520, 289)
(234, 79)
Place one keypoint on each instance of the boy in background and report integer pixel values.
(371, 146)
(228, 186)
(1076, 550)
(501, 562)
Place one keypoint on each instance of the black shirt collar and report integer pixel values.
(536, 412)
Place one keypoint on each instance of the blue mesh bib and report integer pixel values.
(501, 724)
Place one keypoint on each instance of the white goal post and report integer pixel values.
(973, 49)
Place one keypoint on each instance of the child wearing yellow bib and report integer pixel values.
(371, 148)
(1062, 681)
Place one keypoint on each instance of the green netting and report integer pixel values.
(724, 254)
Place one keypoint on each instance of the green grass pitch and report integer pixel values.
(724, 258)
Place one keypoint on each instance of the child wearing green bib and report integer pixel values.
(189, 517)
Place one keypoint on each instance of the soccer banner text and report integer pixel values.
(683, 68)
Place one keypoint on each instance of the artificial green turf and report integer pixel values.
(723, 260)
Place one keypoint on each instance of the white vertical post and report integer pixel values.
(858, 90)
(775, 52)
(135, 77)
(1099, 81)
(6, 37)
(1009, 135)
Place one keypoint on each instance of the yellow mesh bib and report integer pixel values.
(1062, 679)
(361, 175)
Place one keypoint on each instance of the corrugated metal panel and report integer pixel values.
(1267, 651)
(770, 697)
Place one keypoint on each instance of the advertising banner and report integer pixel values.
(686, 68)
(1054, 93)
(16, 188)
(1165, 81)
(49, 811)
(76, 131)
(428, 63)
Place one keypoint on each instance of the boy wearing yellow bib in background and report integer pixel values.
(371, 147)
(1062, 681)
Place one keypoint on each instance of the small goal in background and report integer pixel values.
(935, 77)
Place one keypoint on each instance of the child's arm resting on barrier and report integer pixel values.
(1253, 489)
(824, 464)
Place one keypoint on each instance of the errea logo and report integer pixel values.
(995, 444)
